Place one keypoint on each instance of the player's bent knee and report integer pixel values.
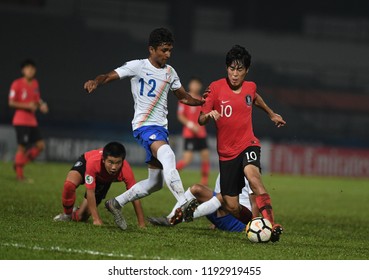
(196, 189)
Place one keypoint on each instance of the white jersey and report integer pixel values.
(243, 198)
(150, 87)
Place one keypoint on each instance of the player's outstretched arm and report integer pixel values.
(103, 79)
(185, 98)
(139, 213)
(91, 202)
(277, 119)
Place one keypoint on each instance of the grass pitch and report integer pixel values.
(324, 218)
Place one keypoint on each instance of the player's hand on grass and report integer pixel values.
(98, 222)
(90, 86)
(277, 119)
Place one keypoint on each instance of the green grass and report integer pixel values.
(324, 218)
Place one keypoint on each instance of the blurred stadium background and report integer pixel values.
(310, 62)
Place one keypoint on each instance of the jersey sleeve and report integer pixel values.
(128, 176)
(90, 175)
(38, 95)
(175, 83)
(128, 69)
(209, 100)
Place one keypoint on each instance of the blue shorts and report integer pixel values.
(146, 135)
(227, 222)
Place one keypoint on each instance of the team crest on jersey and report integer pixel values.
(89, 179)
(248, 100)
(152, 137)
(78, 163)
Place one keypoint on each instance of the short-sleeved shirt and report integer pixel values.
(234, 127)
(150, 87)
(192, 114)
(24, 92)
(95, 171)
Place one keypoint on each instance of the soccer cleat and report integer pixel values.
(159, 221)
(113, 207)
(63, 218)
(277, 230)
(188, 208)
(177, 217)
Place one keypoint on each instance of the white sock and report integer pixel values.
(207, 207)
(143, 188)
(189, 196)
(171, 176)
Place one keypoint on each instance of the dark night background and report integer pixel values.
(310, 61)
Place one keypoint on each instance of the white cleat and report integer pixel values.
(63, 218)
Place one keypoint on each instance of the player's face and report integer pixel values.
(113, 164)
(194, 88)
(160, 55)
(236, 74)
(29, 72)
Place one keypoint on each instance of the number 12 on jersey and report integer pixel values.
(151, 83)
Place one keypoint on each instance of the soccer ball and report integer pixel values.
(259, 230)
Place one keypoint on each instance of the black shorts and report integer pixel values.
(101, 188)
(195, 144)
(27, 135)
(231, 171)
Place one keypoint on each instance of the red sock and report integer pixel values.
(20, 161)
(245, 215)
(33, 153)
(68, 197)
(180, 165)
(205, 167)
(263, 202)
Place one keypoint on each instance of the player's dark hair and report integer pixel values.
(114, 149)
(239, 55)
(27, 62)
(160, 36)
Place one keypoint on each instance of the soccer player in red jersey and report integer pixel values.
(194, 135)
(229, 102)
(24, 97)
(97, 169)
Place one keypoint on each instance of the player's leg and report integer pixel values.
(75, 177)
(186, 160)
(23, 137)
(34, 151)
(143, 188)
(205, 166)
(164, 153)
(252, 172)
(232, 182)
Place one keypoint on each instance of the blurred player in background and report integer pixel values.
(229, 102)
(97, 169)
(25, 98)
(151, 81)
(211, 207)
(194, 135)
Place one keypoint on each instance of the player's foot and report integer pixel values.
(188, 208)
(23, 179)
(177, 217)
(277, 230)
(113, 207)
(159, 221)
(63, 218)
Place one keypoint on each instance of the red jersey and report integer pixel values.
(192, 114)
(24, 92)
(234, 127)
(95, 171)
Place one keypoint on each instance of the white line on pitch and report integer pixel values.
(76, 251)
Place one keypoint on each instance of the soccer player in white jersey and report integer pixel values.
(151, 81)
(211, 207)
